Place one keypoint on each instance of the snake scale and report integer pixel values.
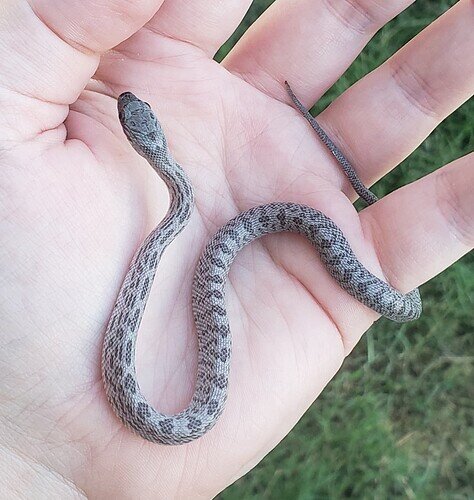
(208, 292)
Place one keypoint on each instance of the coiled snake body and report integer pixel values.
(208, 297)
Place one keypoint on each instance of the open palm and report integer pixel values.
(76, 201)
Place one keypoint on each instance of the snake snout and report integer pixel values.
(124, 99)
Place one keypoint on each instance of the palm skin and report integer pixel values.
(97, 202)
(76, 212)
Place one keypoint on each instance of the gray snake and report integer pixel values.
(208, 292)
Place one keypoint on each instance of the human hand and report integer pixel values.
(76, 201)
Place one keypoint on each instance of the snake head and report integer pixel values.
(140, 124)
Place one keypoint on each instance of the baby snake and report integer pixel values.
(208, 294)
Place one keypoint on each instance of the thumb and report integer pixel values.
(49, 51)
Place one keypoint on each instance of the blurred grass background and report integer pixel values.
(398, 419)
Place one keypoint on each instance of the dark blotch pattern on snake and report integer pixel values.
(208, 297)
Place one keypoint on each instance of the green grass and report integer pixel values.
(397, 421)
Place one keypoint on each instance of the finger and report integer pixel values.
(308, 43)
(204, 23)
(406, 238)
(421, 229)
(49, 50)
(380, 120)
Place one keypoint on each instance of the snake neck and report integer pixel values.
(181, 195)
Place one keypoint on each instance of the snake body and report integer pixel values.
(208, 294)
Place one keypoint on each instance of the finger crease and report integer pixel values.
(459, 222)
(353, 15)
(155, 31)
(415, 88)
